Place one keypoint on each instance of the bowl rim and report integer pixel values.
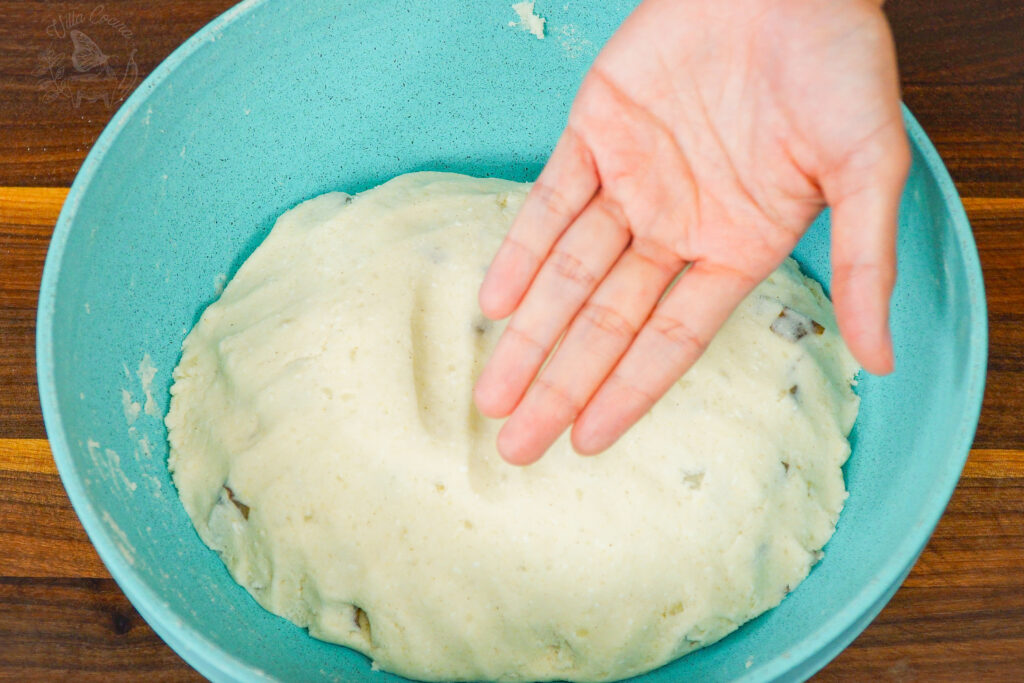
(799, 662)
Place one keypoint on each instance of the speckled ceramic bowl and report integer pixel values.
(276, 102)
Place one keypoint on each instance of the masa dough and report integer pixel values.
(324, 442)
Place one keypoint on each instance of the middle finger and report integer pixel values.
(568, 276)
(596, 339)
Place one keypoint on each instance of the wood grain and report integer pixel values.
(960, 613)
(44, 143)
(969, 573)
(79, 630)
(961, 64)
(998, 225)
(27, 216)
(26, 456)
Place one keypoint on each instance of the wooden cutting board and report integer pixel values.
(960, 614)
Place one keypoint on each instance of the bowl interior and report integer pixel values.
(275, 103)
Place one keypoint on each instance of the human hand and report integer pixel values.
(705, 138)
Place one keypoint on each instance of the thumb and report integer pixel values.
(865, 198)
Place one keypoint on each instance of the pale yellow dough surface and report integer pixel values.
(329, 390)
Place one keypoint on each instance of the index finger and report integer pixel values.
(563, 189)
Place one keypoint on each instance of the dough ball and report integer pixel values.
(324, 441)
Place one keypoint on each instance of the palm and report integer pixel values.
(707, 135)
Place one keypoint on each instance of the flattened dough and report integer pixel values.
(324, 442)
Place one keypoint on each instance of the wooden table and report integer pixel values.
(960, 614)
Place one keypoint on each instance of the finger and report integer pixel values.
(564, 187)
(598, 336)
(677, 333)
(864, 224)
(569, 275)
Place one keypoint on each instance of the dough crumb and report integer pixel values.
(528, 20)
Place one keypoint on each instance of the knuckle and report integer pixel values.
(903, 158)
(853, 271)
(746, 277)
(553, 200)
(637, 394)
(858, 276)
(565, 405)
(524, 250)
(658, 254)
(613, 212)
(608, 320)
(884, 157)
(524, 339)
(572, 269)
(679, 335)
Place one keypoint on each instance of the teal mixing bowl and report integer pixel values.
(276, 102)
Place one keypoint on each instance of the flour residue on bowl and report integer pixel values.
(144, 408)
(121, 541)
(146, 372)
(130, 406)
(142, 449)
(107, 462)
(573, 43)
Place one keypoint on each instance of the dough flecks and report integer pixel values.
(324, 442)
